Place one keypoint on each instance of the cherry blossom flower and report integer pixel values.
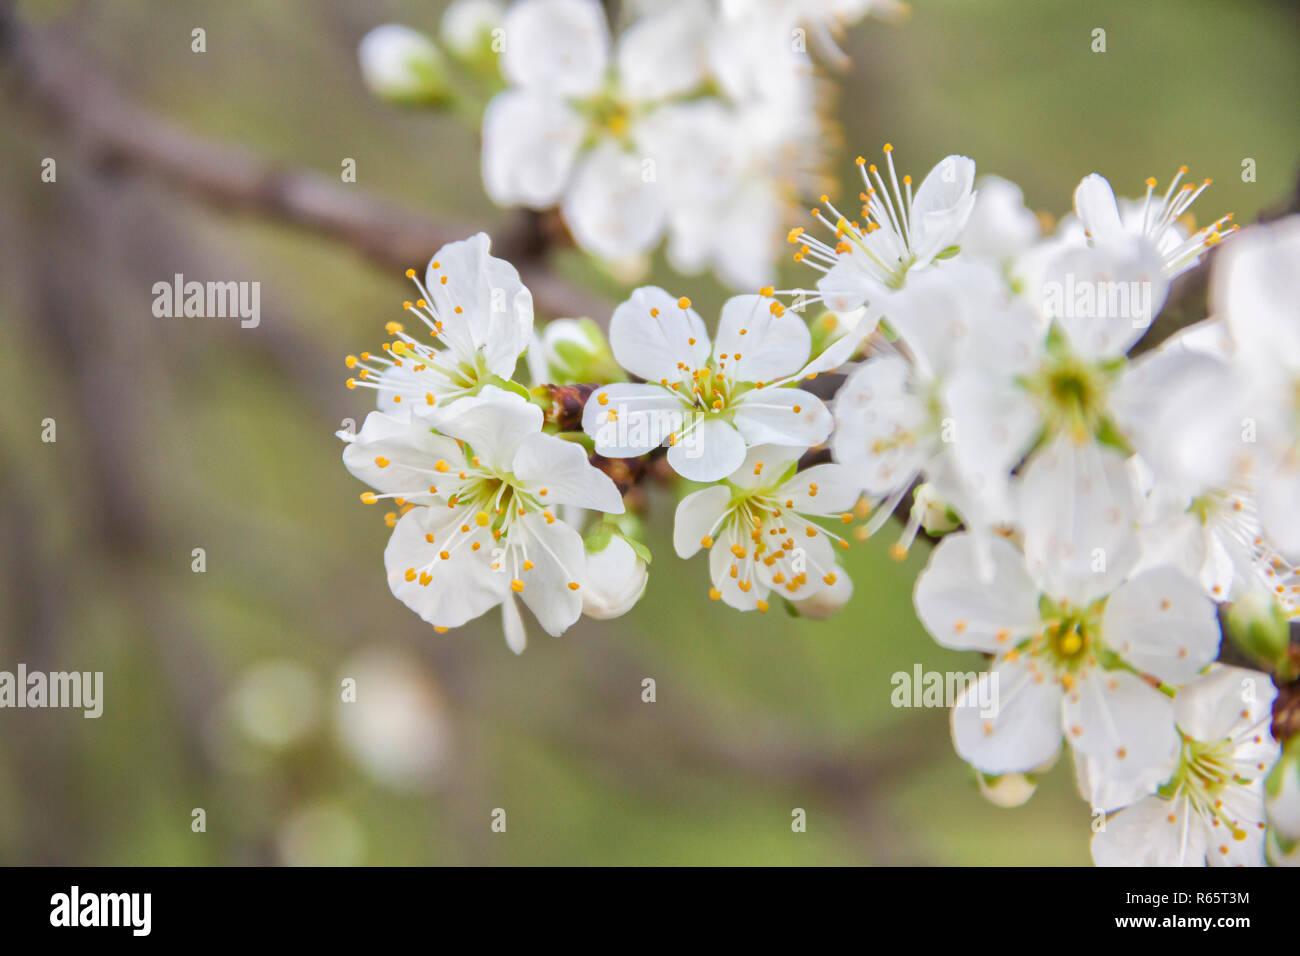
(942, 399)
(1255, 287)
(1211, 809)
(1155, 221)
(903, 233)
(709, 400)
(486, 530)
(759, 529)
(480, 318)
(566, 133)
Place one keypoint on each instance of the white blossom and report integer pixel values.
(1211, 809)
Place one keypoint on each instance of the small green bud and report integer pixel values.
(1259, 625)
(403, 66)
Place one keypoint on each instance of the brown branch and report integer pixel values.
(81, 101)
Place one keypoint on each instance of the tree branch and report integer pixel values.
(78, 99)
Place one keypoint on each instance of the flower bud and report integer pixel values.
(1008, 790)
(1282, 793)
(467, 26)
(827, 601)
(403, 66)
(616, 577)
(935, 515)
(572, 350)
(1259, 625)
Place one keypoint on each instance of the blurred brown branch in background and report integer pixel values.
(84, 103)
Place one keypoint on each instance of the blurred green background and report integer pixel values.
(222, 687)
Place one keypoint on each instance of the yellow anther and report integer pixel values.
(516, 585)
(368, 497)
(683, 303)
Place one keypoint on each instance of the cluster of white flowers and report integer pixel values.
(1107, 502)
(698, 122)
(1101, 497)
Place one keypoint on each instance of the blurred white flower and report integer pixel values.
(566, 133)
(1255, 287)
(276, 703)
(466, 26)
(1000, 226)
(402, 65)
(1211, 810)
(322, 834)
(942, 400)
(1155, 221)
(396, 728)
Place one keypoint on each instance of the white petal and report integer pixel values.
(1105, 297)
(463, 586)
(770, 346)
(765, 466)
(1152, 832)
(410, 451)
(492, 423)
(559, 561)
(836, 490)
(722, 559)
(1228, 703)
(1095, 205)
(710, 451)
(1077, 512)
(942, 207)
(1256, 284)
(663, 55)
(612, 208)
(651, 333)
(964, 611)
(1024, 730)
(513, 624)
(1279, 507)
(559, 45)
(1163, 624)
(496, 310)
(561, 468)
(530, 141)
(634, 420)
(782, 416)
(1123, 724)
(879, 425)
(698, 515)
